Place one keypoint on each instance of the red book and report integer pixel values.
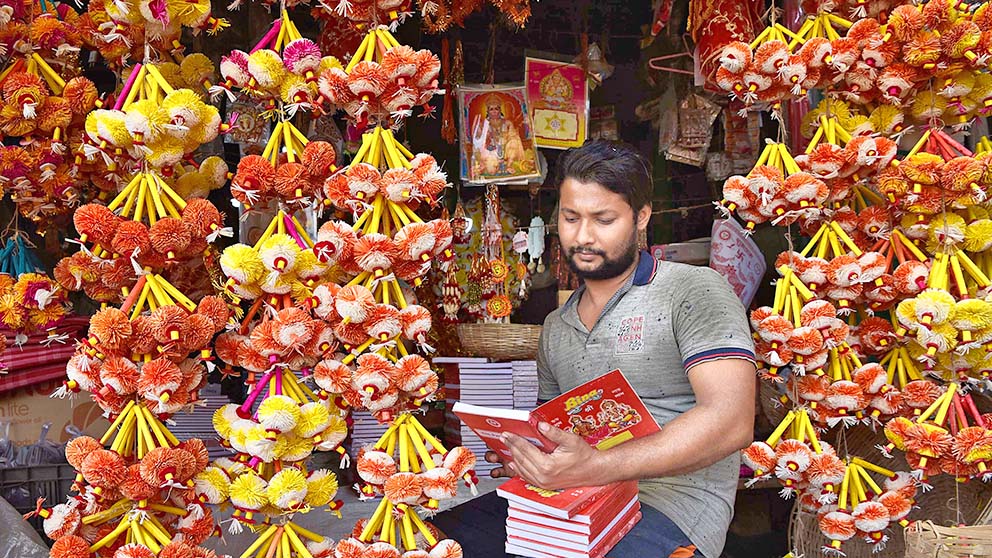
(549, 527)
(590, 519)
(541, 549)
(605, 411)
(560, 504)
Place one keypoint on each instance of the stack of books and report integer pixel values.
(575, 523)
(478, 382)
(582, 522)
(365, 430)
(200, 423)
(524, 384)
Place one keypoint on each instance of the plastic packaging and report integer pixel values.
(17, 538)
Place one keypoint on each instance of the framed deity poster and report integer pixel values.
(497, 143)
(558, 97)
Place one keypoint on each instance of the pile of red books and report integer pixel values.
(581, 522)
(575, 523)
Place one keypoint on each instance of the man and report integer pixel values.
(678, 333)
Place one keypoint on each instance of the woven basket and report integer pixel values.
(926, 540)
(771, 408)
(500, 341)
(948, 503)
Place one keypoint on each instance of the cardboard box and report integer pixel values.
(696, 252)
(28, 408)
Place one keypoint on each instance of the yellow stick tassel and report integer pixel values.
(846, 239)
(284, 544)
(842, 503)
(139, 209)
(404, 450)
(266, 535)
(780, 429)
(431, 541)
(399, 145)
(307, 534)
(946, 405)
(427, 436)
(297, 544)
(360, 52)
(871, 482)
(125, 412)
(406, 529)
(149, 206)
(153, 189)
(125, 193)
(302, 231)
(176, 294)
(932, 408)
(387, 524)
(111, 536)
(158, 78)
(375, 522)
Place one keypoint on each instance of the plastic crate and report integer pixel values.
(22, 486)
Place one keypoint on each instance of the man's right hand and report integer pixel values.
(498, 472)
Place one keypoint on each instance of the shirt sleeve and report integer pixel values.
(547, 384)
(709, 320)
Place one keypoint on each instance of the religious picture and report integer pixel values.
(496, 135)
(558, 98)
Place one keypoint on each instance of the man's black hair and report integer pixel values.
(616, 166)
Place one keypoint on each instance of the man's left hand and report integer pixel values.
(573, 463)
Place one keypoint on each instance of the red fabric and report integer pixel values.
(716, 23)
(15, 380)
(339, 38)
(33, 362)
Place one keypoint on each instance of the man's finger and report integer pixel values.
(525, 471)
(498, 472)
(559, 436)
(493, 457)
(521, 448)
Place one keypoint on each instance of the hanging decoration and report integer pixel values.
(559, 103)
(148, 349)
(496, 135)
(440, 15)
(880, 318)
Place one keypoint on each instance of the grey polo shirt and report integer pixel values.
(667, 318)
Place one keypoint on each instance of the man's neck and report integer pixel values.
(601, 290)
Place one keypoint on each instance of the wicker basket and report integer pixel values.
(948, 503)
(500, 341)
(926, 540)
(771, 408)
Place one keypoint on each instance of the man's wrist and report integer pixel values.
(601, 472)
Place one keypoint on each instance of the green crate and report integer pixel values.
(22, 486)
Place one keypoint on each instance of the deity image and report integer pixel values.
(497, 139)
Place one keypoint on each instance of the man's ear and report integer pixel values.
(643, 217)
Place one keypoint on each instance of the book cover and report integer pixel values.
(536, 549)
(587, 519)
(489, 423)
(560, 504)
(544, 528)
(605, 411)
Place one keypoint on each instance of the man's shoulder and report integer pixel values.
(675, 276)
(554, 317)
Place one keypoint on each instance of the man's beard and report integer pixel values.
(609, 268)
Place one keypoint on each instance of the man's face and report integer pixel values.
(493, 112)
(597, 229)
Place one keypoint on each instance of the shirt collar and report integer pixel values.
(647, 266)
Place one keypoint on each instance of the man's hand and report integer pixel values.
(573, 463)
(498, 472)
